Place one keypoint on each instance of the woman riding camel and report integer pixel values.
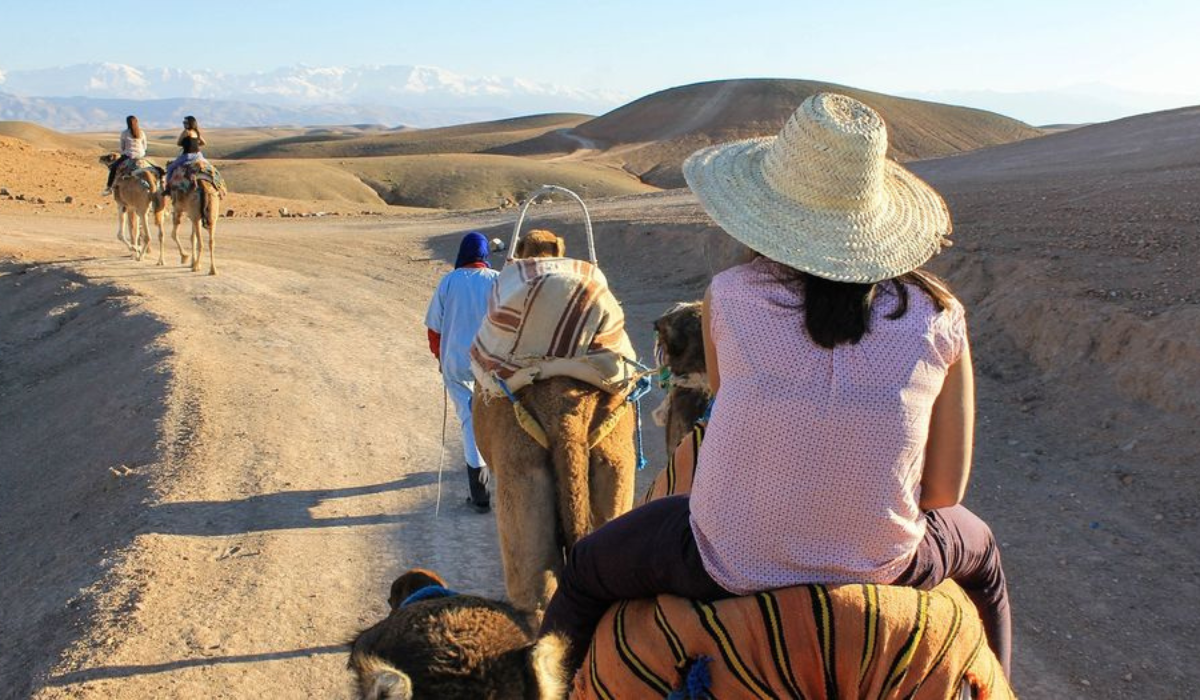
(190, 141)
(840, 440)
(133, 146)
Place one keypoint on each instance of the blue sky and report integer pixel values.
(636, 47)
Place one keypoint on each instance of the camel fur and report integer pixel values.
(202, 205)
(547, 499)
(138, 196)
(452, 647)
(540, 243)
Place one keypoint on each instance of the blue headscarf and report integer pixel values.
(474, 248)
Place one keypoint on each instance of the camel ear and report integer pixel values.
(379, 680)
(549, 661)
(390, 684)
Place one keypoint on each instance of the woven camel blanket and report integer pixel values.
(552, 317)
(816, 642)
(184, 178)
(133, 165)
(677, 476)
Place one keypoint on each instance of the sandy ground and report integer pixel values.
(209, 483)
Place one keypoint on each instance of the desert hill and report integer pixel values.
(463, 138)
(1156, 142)
(475, 181)
(1116, 198)
(41, 137)
(653, 135)
(225, 142)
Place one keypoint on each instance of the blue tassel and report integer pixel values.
(640, 389)
(696, 683)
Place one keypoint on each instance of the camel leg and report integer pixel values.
(176, 219)
(144, 227)
(611, 472)
(158, 221)
(531, 561)
(524, 502)
(212, 250)
(135, 233)
(121, 227)
(197, 249)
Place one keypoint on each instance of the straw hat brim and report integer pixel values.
(899, 235)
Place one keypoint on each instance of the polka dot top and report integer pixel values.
(810, 470)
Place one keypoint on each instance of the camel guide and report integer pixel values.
(455, 312)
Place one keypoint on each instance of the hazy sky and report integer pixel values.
(636, 47)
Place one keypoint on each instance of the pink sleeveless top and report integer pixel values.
(810, 470)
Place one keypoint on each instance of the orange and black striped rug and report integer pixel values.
(812, 642)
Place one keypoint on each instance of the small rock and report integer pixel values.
(229, 213)
(68, 200)
(1127, 447)
(1127, 677)
(1085, 682)
(1127, 479)
(38, 200)
(1158, 516)
(20, 198)
(258, 215)
(4, 192)
(283, 211)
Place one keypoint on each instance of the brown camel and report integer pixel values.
(547, 499)
(439, 644)
(136, 189)
(680, 340)
(202, 205)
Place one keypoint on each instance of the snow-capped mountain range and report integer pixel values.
(412, 95)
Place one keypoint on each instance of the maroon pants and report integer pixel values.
(651, 550)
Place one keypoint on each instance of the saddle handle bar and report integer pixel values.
(553, 189)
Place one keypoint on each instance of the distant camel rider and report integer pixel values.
(455, 313)
(133, 147)
(190, 141)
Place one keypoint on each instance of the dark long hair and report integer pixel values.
(190, 123)
(134, 129)
(840, 312)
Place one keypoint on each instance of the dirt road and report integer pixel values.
(209, 483)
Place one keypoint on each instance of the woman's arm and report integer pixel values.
(200, 139)
(951, 438)
(710, 349)
(182, 135)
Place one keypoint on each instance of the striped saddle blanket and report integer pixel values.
(552, 317)
(184, 177)
(817, 642)
(133, 166)
(680, 471)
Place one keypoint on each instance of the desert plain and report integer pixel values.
(208, 483)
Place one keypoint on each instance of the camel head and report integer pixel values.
(540, 243)
(410, 583)
(109, 158)
(680, 336)
(454, 646)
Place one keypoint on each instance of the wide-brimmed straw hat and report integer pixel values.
(822, 196)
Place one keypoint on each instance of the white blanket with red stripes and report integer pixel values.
(552, 317)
